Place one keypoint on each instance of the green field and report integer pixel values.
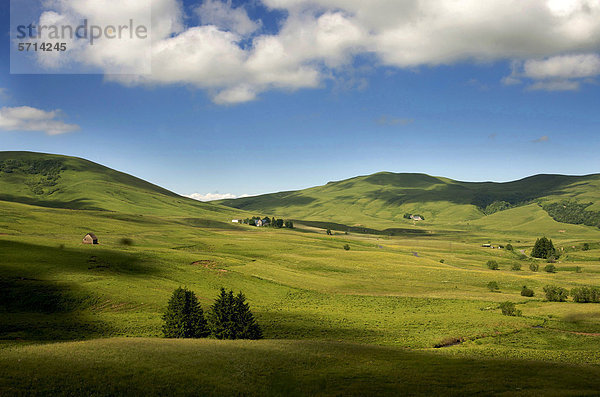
(86, 319)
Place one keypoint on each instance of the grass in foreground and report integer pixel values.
(210, 367)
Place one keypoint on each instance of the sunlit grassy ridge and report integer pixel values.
(362, 321)
(382, 199)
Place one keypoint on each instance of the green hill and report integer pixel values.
(56, 181)
(384, 198)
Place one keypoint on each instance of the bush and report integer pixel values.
(493, 286)
(555, 294)
(543, 248)
(346, 247)
(184, 317)
(492, 265)
(515, 267)
(509, 309)
(586, 294)
(230, 318)
(534, 267)
(586, 247)
(528, 292)
(126, 241)
(442, 261)
(550, 268)
(509, 247)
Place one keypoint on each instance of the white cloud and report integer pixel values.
(223, 15)
(557, 73)
(563, 67)
(230, 58)
(214, 196)
(25, 118)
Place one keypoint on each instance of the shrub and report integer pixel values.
(442, 261)
(184, 317)
(550, 268)
(586, 294)
(586, 246)
(230, 318)
(329, 233)
(543, 248)
(509, 309)
(555, 294)
(515, 267)
(534, 267)
(528, 292)
(126, 241)
(509, 247)
(346, 247)
(492, 265)
(578, 269)
(493, 286)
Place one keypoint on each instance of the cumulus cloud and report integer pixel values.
(226, 17)
(557, 73)
(25, 118)
(214, 196)
(234, 60)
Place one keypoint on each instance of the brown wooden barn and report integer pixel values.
(90, 238)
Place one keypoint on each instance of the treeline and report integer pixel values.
(266, 221)
(47, 170)
(572, 212)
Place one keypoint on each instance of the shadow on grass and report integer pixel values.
(35, 302)
(79, 204)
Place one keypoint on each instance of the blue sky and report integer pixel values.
(367, 111)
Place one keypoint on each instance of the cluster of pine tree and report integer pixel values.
(229, 317)
(543, 248)
(572, 212)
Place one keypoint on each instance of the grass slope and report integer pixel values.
(82, 184)
(382, 199)
(86, 319)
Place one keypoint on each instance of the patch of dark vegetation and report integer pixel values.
(586, 294)
(493, 286)
(42, 174)
(528, 292)
(555, 293)
(126, 241)
(572, 212)
(492, 265)
(509, 309)
(544, 248)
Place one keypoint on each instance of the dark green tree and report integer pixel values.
(245, 324)
(184, 317)
(280, 223)
(543, 248)
(230, 318)
(329, 232)
(526, 291)
(289, 224)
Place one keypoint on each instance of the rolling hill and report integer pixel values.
(56, 181)
(384, 198)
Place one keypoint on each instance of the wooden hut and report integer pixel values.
(90, 238)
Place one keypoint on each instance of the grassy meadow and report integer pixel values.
(403, 314)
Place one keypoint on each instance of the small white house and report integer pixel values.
(416, 218)
(236, 220)
(258, 222)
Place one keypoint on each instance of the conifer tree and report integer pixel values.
(230, 318)
(184, 317)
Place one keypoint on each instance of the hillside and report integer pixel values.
(56, 181)
(384, 198)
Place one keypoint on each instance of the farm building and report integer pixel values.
(236, 221)
(90, 238)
